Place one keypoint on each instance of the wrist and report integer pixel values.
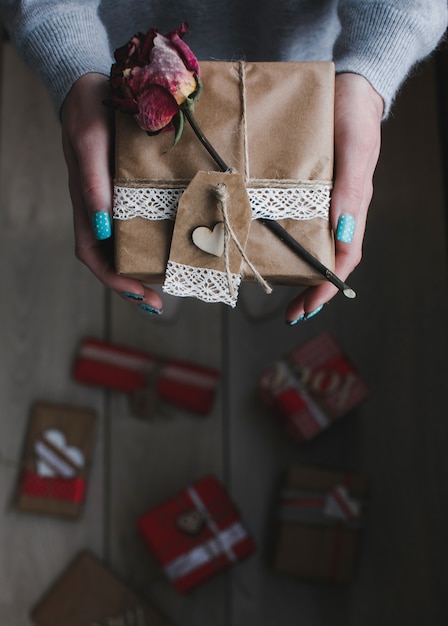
(360, 90)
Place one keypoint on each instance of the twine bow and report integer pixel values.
(222, 195)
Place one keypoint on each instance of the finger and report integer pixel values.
(88, 130)
(357, 145)
(98, 255)
(93, 153)
(348, 255)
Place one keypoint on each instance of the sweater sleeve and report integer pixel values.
(383, 40)
(61, 41)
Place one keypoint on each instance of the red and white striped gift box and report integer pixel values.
(179, 383)
(196, 534)
(312, 387)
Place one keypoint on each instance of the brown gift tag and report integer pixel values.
(210, 234)
(88, 594)
(270, 122)
(311, 548)
(57, 458)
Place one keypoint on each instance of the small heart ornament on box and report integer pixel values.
(190, 522)
(212, 225)
(55, 457)
(210, 241)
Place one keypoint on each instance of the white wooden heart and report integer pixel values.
(210, 241)
(45, 470)
(58, 459)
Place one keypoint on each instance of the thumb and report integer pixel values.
(88, 130)
(93, 157)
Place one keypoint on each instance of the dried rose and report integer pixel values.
(154, 76)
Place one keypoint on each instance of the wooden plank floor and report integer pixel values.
(395, 331)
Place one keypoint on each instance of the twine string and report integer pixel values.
(242, 74)
(222, 196)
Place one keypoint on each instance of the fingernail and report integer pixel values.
(294, 322)
(150, 310)
(346, 228)
(313, 313)
(132, 296)
(102, 226)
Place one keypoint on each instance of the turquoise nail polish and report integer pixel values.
(313, 313)
(346, 228)
(102, 226)
(146, 308)
(299, 319)
(132, 296)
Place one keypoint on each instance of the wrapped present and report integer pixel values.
(312, 387)
(89, 594)
(318, 524)
(178, 383)
(249, 111)
(196, 534)
(57, 459)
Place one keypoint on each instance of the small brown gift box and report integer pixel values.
(272, 123)
(318, 525)
(57, 458)
(88, 594)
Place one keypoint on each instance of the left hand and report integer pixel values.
(358, 113)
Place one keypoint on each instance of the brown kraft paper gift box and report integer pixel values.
(56, 462)
(273, 124)
(87, 594)
(318, 524)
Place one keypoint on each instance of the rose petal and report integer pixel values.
(185, 51)
(156, 108)
(127, 105)
(167, 70)
(152, 75)
(146, 47)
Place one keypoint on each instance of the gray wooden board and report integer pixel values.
(151, 461)
(395, 331)
(403, 346)
(49, 301)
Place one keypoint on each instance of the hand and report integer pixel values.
(87, 139)
(358, 112)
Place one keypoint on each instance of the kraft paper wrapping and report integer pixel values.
(88, 593)
(77, 427)
(315, 552)
(271, 123)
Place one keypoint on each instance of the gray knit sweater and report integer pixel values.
(62, 40)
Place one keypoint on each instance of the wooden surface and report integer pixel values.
(395, 331)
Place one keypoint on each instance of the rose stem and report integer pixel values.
(274, 226)
(205, 142)
(294, 245)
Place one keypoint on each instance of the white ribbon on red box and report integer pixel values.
(146, 364)
(223, 542)
(284, 378)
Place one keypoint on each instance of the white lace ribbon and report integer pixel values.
(304, 201)
(201, 282)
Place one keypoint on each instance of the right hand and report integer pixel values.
(87, 139)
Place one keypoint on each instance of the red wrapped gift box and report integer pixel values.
(196, 534)
(312, 387)
(186, 385)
